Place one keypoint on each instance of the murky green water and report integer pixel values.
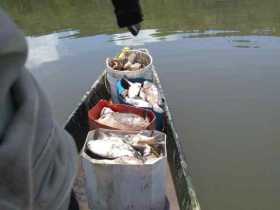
(219, 62)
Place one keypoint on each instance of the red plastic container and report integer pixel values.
(94, 114)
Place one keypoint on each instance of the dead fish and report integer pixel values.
(142, 94)
(138, 102)
(147, 145)
(131, 57)
(132, 121)
(144, 149)
(122, 121)
(146, 95)
(127, 65)
(141, 139)
(129, 60)
(152, 93)
(155, 151)
(135, 67)
(147, 151)
(134, 89)
(110, 148)
(105, 111)
(116, 64)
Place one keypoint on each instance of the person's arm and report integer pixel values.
(38, 159)
(11, 43)
(6, 112)
(129, 14)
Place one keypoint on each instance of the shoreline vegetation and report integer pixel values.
(93, 17)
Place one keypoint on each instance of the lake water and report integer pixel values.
(219, 62)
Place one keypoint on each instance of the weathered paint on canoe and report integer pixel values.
(77, 126)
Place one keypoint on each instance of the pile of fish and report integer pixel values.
(122, 121)
(140, 147)
(127, 149)
(129, 60)
(144, 95)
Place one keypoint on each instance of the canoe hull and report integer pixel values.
(77, 125)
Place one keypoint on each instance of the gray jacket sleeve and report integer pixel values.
(38, 159)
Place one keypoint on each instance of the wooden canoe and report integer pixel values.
(180, 192)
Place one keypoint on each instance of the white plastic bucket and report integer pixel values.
(120, 186)
(113, 76)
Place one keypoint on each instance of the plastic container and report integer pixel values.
(120, 186)
(94, 114)
(160, 116)
(112, 76)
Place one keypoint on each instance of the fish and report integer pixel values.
(147, 151)
(134, 89)
(135, 66)
(151, 92)
(131, 57)
(116, 64)
(127, 65)
(105, 111)
(111, 148)
(144, 95)
(122, 121)
(145, 144)
(126, 149)
(129, 60)
(138, 102)
(141, 139)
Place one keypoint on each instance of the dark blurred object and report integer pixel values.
(129, 14)
(73, 202)
(134, 29)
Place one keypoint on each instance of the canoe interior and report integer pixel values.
(77, 126)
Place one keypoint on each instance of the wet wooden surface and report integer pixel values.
(80, 191)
